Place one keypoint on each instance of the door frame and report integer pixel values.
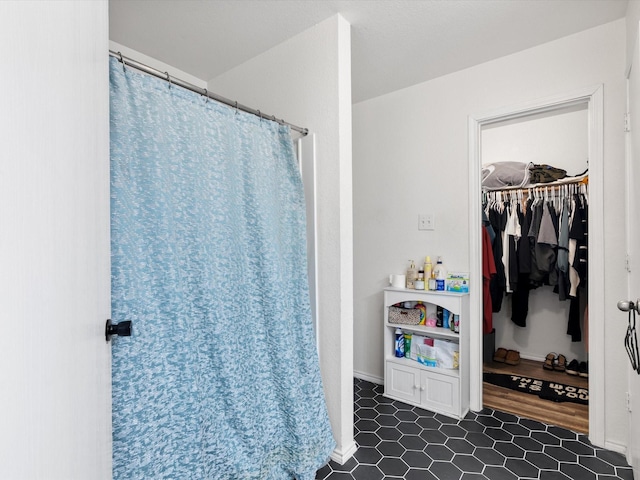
(594, 99)
(631, 156)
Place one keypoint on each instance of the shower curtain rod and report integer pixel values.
(202, 91)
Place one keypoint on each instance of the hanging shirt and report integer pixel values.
(498, 219)
(509, 257)
(488, 271)
(563, 252)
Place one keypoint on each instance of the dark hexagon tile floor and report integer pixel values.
(398, 441)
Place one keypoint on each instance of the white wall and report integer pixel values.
(307, 81)
(157, 64)
(411, 157)
(55, 376)
(554, 138)
(632, 19)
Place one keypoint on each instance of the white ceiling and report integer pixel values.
(395, 43)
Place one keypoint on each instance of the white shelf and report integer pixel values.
(450, 372)
(439, 332)
(437, 389)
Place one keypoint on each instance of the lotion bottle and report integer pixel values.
(440, 272)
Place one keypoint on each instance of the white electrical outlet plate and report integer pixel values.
(426, 221)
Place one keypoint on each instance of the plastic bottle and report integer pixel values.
(399, 344)
(412, 275)
(428, 267)
(440, 272)
(423, 312)
(407, 344)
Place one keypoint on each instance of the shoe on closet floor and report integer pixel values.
(573, 368)
(500, 355)
(512, 358)
(549, 361)
(583, 369)
(561, 364)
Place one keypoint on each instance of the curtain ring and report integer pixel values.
(260, 115)
(168, 78)
(236, 107)
(206, 96)
(122, 61)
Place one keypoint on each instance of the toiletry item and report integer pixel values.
(398, 281)
(407, 344)
(456, 323)
(432, 284)
(419, 284)
(428, 268)
(423, 312)
(440, 272)
(439, 315)
(399, 344)
(412, 275)
(426, 352)
(445, 318)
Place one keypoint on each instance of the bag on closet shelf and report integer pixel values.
(546, 173)
(406, 316)
(505, 174)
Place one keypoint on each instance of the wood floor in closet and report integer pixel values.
(564, 414)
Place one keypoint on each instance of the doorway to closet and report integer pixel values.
(564, 131)
(534, 314)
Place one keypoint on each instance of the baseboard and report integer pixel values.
(532, 357)
(368, 378)
(616, 447)
(341, 456)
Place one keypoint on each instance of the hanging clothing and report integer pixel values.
(488, 271)
(498, 283)
(543, 242)
(520, 299)
(563, 252)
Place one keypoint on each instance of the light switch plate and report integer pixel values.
(426, 221)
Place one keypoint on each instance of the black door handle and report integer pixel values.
(122, 329)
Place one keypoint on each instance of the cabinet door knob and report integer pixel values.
(422, 389)
(415, 387)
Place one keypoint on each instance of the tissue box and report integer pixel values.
(457, 282)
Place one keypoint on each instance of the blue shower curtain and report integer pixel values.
(220, 379)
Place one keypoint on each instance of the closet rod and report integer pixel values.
(581, 181)
(202, 91)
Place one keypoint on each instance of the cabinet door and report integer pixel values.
(403, 383)
(441, 393)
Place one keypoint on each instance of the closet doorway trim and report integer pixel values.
(593, 97)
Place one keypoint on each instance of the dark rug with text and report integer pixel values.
(554, 391)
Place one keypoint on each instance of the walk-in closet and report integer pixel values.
(535, 200)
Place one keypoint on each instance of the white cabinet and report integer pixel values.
(436, 389)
